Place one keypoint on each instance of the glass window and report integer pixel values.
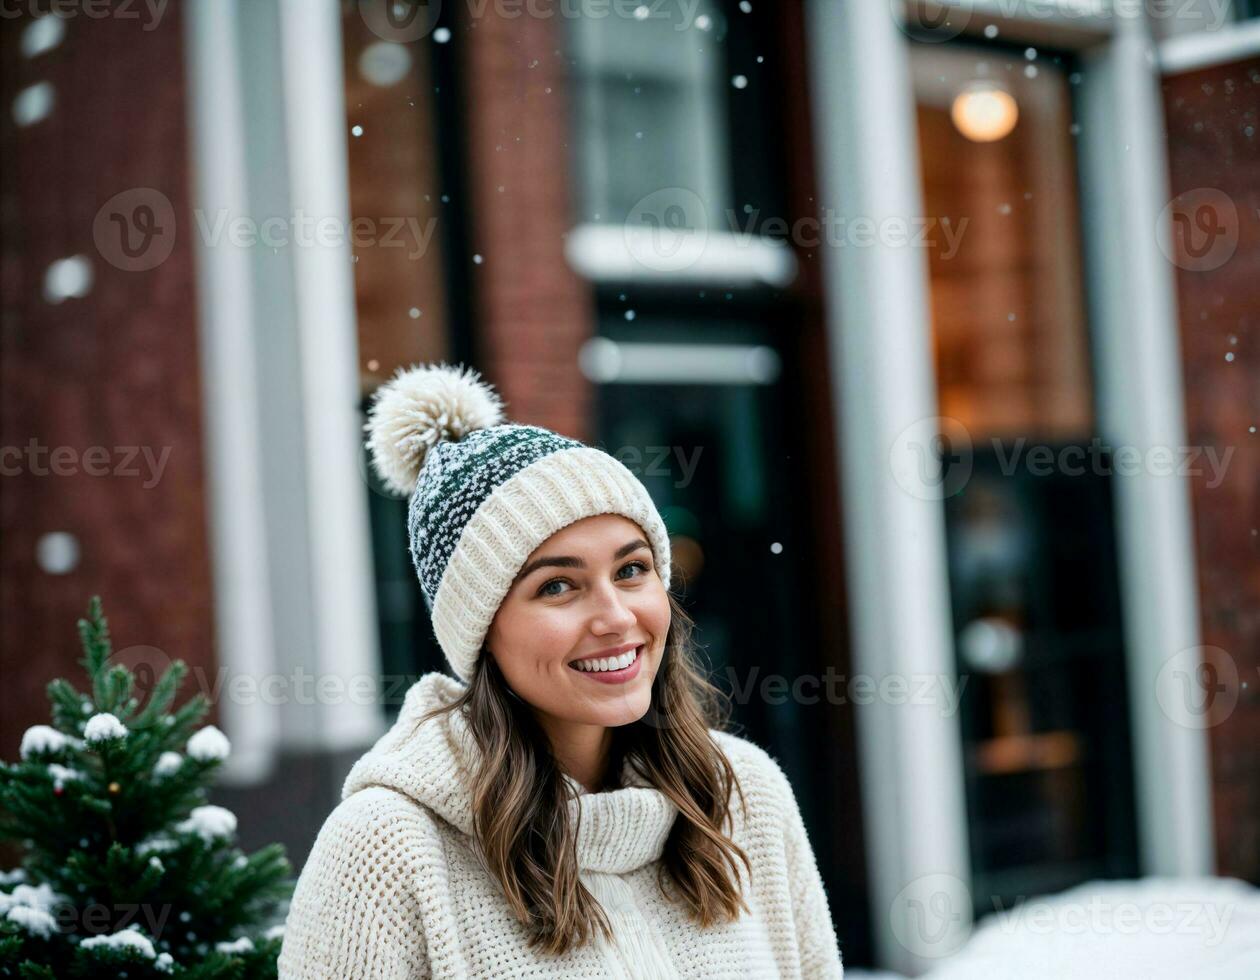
(1031, 548)
(1008, 320)
(650, 108)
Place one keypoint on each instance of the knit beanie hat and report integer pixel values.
(485, 493)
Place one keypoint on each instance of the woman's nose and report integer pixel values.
(611, 615)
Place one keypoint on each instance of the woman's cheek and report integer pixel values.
(552, 635)
(655, 614)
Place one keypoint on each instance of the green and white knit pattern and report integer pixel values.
(456, 479)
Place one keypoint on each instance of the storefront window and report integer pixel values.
(1031, 548)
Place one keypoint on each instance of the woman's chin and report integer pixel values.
(621, 707)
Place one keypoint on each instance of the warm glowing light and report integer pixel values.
(984, 112)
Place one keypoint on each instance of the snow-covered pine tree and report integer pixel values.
(126, 871)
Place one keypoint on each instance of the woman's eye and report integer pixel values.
(546, 588)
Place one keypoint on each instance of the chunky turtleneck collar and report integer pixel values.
(618, 830)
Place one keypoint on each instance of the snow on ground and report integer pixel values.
(1149, 929)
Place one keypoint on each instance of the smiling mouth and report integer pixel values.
(609, 665)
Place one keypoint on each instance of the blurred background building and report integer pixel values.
(934, 330)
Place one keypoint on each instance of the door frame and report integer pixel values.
(878, 319)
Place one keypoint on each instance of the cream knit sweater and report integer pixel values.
(393, 889)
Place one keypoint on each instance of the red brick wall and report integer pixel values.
(116, 368)
(534, 313)
(395, 195)
(1218, 290)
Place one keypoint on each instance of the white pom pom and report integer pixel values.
(417, 409)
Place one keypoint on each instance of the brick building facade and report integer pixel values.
(475, 147)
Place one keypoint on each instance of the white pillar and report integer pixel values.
(229, 371)
(878, 321)
(342, 602)
(1141, 404)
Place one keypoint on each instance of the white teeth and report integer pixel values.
(608, 663)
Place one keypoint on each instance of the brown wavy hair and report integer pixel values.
(521, 802)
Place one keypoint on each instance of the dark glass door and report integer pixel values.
(1044, 713)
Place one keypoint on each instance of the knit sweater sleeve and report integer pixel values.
(815, 936)
(354, 914)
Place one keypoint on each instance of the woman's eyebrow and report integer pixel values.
(570, 561)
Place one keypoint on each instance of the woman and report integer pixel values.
(567, 807)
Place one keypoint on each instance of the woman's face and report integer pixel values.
(588, 596)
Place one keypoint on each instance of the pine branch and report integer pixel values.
(68, 704)
(94, 635)
(162, 695)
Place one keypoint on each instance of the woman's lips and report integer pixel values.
(614, 676)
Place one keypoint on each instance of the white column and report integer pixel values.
(878, 321)
(229, 383)
(342, 602)
(1141, 404)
